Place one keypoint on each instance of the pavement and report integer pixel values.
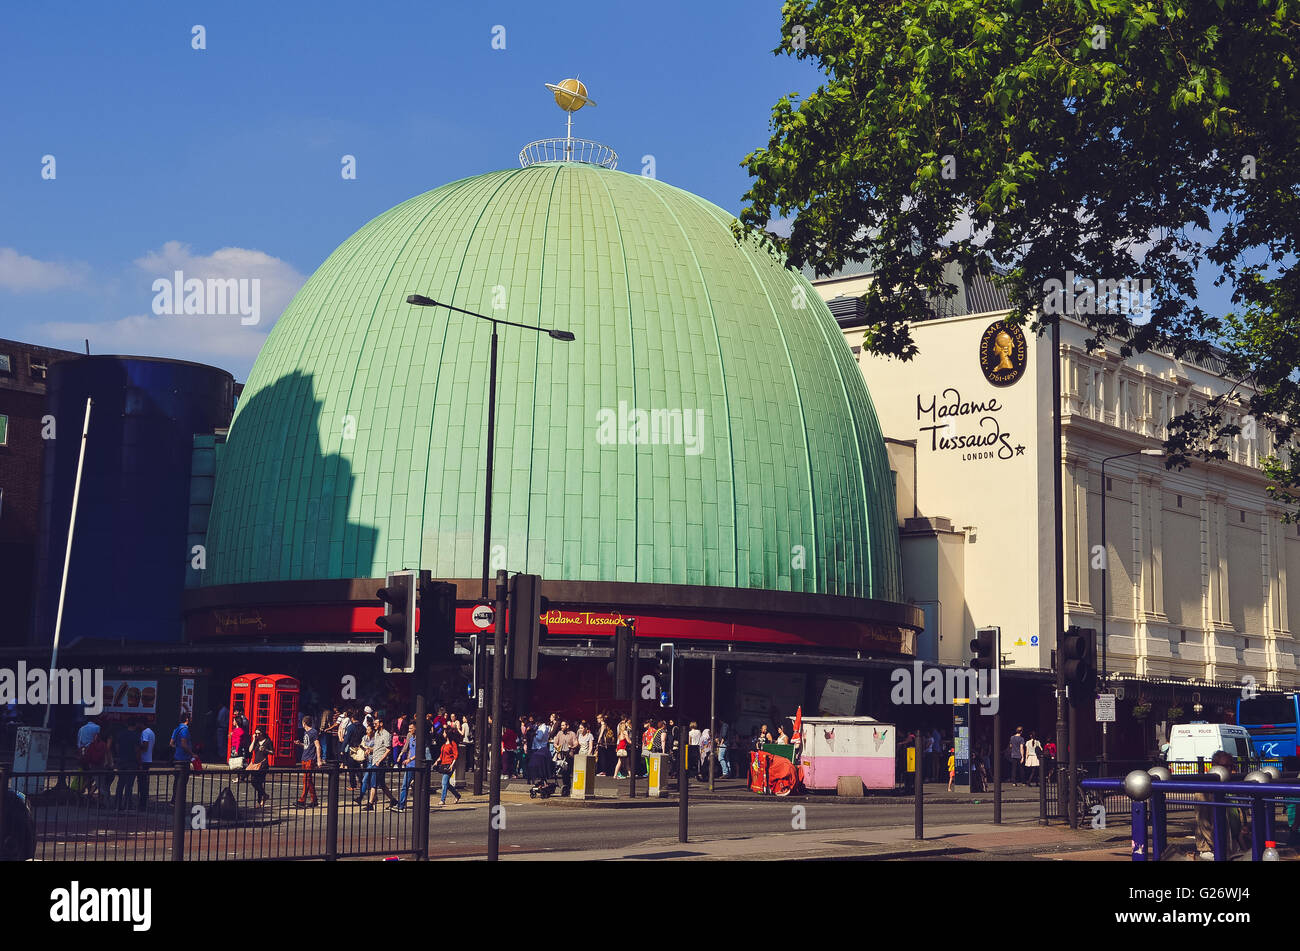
(609, 791)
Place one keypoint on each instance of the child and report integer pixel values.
(952, 768)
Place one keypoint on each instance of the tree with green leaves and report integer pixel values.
(1035, 140)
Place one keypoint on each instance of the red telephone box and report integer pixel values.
(241, 701)
(275, 710)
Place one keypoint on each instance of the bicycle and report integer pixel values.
(1086, 800)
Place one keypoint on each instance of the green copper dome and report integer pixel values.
(708, 427)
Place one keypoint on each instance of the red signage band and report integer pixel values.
(343, 620)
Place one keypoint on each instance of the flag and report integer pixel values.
(798, 723)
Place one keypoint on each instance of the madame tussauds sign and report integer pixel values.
(942, 412)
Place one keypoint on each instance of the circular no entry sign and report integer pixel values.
(482, 616)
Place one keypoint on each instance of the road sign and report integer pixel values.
(482, 616)
(1106, 708)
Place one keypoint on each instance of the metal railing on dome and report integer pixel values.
(568, 150)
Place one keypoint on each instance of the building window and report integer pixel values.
(1247, 643)
(38, 370)
(1110, 484)
(4, 430)
(5, 365)
(1180, 500)
(1243, 515)
(1182, 636)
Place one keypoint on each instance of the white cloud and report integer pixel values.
(18, 272)
(279, 279)
(220, 340)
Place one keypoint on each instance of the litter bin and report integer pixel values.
(584, 777)
(656, 764)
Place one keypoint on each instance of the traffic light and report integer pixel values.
(985, 648)
(1080, 657)
(398, 623)
(437, 619)
(664, 674)
(524, 630)
(624, 644)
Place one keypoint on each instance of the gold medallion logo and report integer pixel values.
(1003, 353)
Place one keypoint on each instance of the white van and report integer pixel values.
(1188, 741)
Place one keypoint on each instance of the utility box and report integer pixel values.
(657, 771)
(584, 777)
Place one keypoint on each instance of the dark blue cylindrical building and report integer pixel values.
(130, 551)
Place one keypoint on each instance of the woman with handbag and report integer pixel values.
(368, 751)
(621, 753)
(259, 758)
(236, 753)
(447, 757)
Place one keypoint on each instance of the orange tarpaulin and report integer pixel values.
(773, 774)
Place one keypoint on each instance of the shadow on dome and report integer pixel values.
(280, 534)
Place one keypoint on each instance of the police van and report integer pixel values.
(1190, 742)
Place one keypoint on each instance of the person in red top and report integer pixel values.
(509, 743)
(447, 765)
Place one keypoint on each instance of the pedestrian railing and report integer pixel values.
(1152, 797)
(175, 813)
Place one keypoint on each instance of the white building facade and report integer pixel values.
(1199, 561)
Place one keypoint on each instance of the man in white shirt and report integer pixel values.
(86, 735)
(147, 740)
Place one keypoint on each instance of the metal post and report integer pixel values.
(181, 780)
(1139, 824)
(634, 741)
(481, 756)
(1221, 850)
(1072, 775)
(713, 700)
(918, 781)
(332, 814)
(1042, 788)
(1058, 509)
(997, 768)
(421, 804)
(498, 687)
(67, 556)
(492, 444)
(1159, 822)
(491, 439)
(1259, 831)
(1105, 566)
(683, 779)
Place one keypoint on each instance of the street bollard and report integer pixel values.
(180, 781)
(332, 814)
(1159, 822)
(1139, 824)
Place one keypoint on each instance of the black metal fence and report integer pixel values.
(173, 813)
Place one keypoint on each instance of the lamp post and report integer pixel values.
(498, 646)
(1105, 592)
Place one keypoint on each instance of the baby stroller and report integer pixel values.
(542, 789)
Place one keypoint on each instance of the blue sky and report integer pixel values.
(165, 155)
(226, 161)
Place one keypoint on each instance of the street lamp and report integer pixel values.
(1105, 564)
(498, 640)
(421, 301)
